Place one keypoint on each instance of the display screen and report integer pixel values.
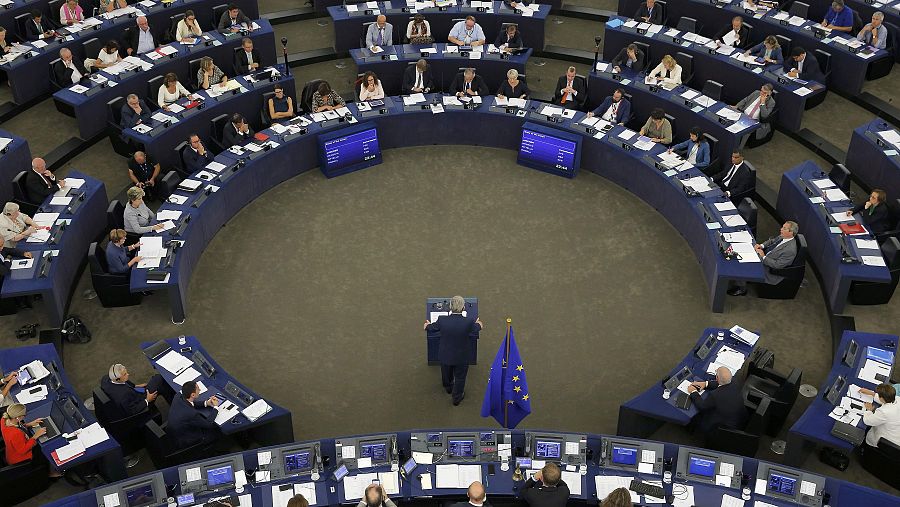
(24, 376)
(140, 495)
(434, 438)
(487, 438)
(341, 472)
(296, 462)
(782, 484)
(185, 499)
(703, 467)
(462, 448)
(541, 150)
(880, 355)
(342, 152)
(624, 455)
(547, 450)
(378, 452)
(219, 475)
(409, 465)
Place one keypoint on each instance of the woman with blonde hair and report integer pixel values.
(668, 71)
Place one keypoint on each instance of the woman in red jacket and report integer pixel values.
(18, 443)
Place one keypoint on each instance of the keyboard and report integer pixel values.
(643, 488)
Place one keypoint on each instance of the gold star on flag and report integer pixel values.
(517, 389)
(516, 378)
(511, 402)
(525, 397)
(520, 368)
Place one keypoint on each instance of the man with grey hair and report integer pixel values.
(468, 84)
(839, 17)
(40, 182)
(129, 398)
(455, 346)
(722, 405)
(778, 252)
(133, 112)
(140, 39)
(874, 34)
(67, 71)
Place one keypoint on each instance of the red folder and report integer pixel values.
(261, 137)
(852, 228)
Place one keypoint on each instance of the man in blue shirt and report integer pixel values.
(467, 33)
(839, 17)
(875, 33)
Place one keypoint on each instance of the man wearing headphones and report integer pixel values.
(130, 398)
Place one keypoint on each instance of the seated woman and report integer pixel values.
(11, 379)
(15, 225)
(15, 435)
(668, 71)
(695, 150)
(370, 88)
(418, 31)
(280, 106)
(209, 74)
(170, 91)
(109, 55)
(71, 13)
(137, 216)
(769, 50)
(874, 213)
(117, 260)
(326, 99)
(188, 28)
(512, 87)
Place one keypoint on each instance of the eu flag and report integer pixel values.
(507, 399)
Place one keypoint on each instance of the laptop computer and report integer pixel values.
(54, 424)
(156, 350)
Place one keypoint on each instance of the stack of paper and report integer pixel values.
(457, 476)
(605, 485)
(226, 411)
(38, 370)
(853, 392)
(281, 494)
(891, 136)
(173, 362)
(745, 336)
(256, 410)
(188, 374)
(729, 358)
(874, 372)
(698, 184)
(91, 435)
(32, 394)
(355, 485)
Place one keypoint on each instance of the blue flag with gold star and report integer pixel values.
(507, 399)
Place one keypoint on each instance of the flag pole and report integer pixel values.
(506, 361)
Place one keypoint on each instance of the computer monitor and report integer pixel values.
(375, 449)
(297, 462)
(562, 448)
(295, 459)
(780, 483)
(219, 476)
(791, 485)
(624, 455)
(210, 475)
(547, 449)
(140, 495)
(632, 455)
(880, 355)
(434, 438)
(461, 448)
(701, 466)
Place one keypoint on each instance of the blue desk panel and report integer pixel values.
(824, 248)
(867, 160)
(13, 160)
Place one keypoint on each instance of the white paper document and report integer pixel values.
(188, 374)
(225, 412)
(174, 363)
(457, 476)
(605, 484)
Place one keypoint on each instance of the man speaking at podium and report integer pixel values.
(455, 346)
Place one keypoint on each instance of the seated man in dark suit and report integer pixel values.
(546, 488)
(737, 179)
(778, 252)
(723, 406)
(127, 397)
(37, 27)
(455, 346)
(134, 112)
(803, 65)
(570, 91)
(477, 497)
(735, 35)
(509, 39)
(417, 78)
(874, 213)
(246, 60)
(649, 12)
(630, 57)
(236, 132)
(192, 422)
(468, 84)
(40, 182)
(67, 70)
(196, 157)
(140, 38)
(614, 109)
(233, 20)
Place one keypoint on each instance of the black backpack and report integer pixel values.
(74, 331)
(834, 458)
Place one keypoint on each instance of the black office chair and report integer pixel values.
(234, 60)
(164, 453)
(749, 212)
(365, 30)
(840, 175)
(824, 59)
(743, 442)
(686, 24)
(21, 20)
(115, 215)
(217, 127)
(671, 122)
(264, 109)
(113, 290)
(91, 48)
(307, 94)
(23, 481)
(715, 164)
(153, 91)
(645, 48)
(781, 391)
(56, 84)
(893, 40)
(217, 12)
(20, 195)
(193, 69)
(53, 6)
(127, 431)
(687, 66)
(857, 22)
(713, 89)
(760, 357)
(799, 9)
(894, 232)
(769, 122)
(665, 11)
(168, 184)
(875, 293)
(785, 43)
(883, 461)
(180, 165)
(793, 276)
(114, 128)
(747, 44)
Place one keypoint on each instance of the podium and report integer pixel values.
(435, 307)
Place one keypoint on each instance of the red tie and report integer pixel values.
(755, 107)
(565, 95)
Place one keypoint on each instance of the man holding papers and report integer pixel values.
(546, 488)
(884, 420)
(737, 35)
(736, 181)
(803, 65)
(614, 109)
(723, 405)
(417, 78)
(509, 39)
(758, 106)
(777, 252)
(192, 422)
(477, 497)
(380, 33)
(143, 171)
(40, 182)
(137, 216)
(134, 112)
(874, 212)
(196, 157)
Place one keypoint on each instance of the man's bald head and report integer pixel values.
(476, 492)
(723, 375)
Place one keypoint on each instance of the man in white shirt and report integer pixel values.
(141, 40)
(68, 72)
(417, 78)
(883, 421)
